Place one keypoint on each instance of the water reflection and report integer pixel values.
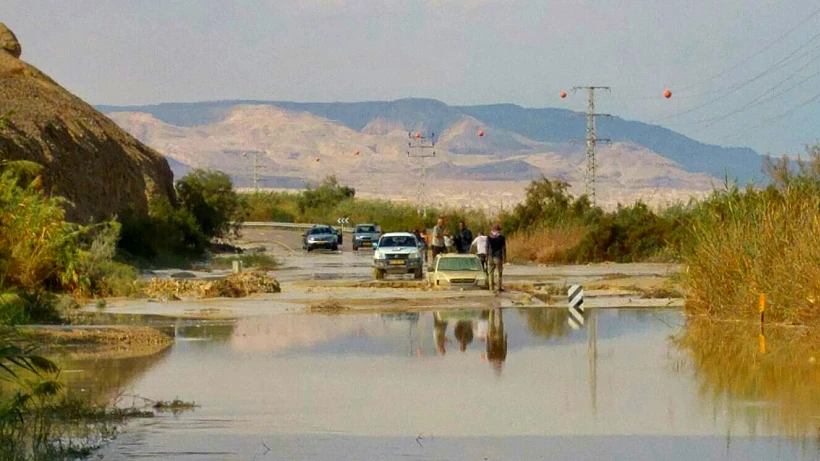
(322, 386)
(773, 392)
(101, 379)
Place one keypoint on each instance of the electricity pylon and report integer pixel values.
(591, 140)
(421, 148)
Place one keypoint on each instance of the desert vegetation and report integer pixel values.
(332, 200)
(553, 226)
(747, 242)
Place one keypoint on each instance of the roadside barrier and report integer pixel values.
(576, 306)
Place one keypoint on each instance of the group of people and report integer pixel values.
(491, 249)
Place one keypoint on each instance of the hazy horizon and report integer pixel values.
(742, 72)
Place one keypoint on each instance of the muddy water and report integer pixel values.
(485, 385)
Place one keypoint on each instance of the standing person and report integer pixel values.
(449, 243)
(496, 256)
(480, 244)
(464, 238)
(422, 244)
(437, 243)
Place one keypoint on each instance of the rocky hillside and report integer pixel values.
(294, 148)
(87, 158)
(505, 125)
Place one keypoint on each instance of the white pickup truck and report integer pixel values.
(397, 253)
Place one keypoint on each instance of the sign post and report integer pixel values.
(342, 222)
(576, 306)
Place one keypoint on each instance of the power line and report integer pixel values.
(755, 54)
(723, 72)
(777, 118)
(747, 82)
(762, 99)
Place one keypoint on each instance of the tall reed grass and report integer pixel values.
(749, 242)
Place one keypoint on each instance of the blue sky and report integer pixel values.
(461, 52)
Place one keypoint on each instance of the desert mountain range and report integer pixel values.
(298, 144)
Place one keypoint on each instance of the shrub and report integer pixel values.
(164, 232)
(210, 198)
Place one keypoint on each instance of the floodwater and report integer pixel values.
(496, 384)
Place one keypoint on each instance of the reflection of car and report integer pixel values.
(397, 253)
(365, 235)
(320, 237)
(457, 271)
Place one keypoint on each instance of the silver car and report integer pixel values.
(365, 235)
(320, 237)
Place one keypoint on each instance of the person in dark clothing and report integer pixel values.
(464, 238)
(496, 256)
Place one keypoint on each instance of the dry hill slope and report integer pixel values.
(467, 170)
(87, 158)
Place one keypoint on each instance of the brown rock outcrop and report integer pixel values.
(8, 42)
(87, 159)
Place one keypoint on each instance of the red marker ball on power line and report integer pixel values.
(357, 153)
(317, 159)
(667, 94)
(418, 135)
(480, 132)
(562, 94)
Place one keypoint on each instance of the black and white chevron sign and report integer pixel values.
(576, 306)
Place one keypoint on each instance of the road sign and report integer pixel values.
(576, 306)
(343, 220)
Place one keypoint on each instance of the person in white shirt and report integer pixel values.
(480, 244)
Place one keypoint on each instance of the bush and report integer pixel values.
(209, 197)
(166, 232)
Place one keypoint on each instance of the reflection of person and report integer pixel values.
(464, 333)
(496, 257)
(440, 333)
(496, 340)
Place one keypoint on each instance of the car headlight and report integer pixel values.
(415, 255)
(378, 255)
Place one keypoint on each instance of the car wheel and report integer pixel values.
(335, 248)
(309, 249)
(379, 274)
(355, 248)
(417, 274)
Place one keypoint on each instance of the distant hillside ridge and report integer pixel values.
(547, 125)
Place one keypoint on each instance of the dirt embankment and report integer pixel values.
(99, 342)
(233, 286)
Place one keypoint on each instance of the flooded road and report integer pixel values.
(494, 384)
(409, 373)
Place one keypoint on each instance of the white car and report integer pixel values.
(397, 253)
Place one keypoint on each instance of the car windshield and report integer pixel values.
(397, 241)
(320, 231)
(458, 264)
(365, 229)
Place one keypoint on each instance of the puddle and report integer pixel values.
(482, 384)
